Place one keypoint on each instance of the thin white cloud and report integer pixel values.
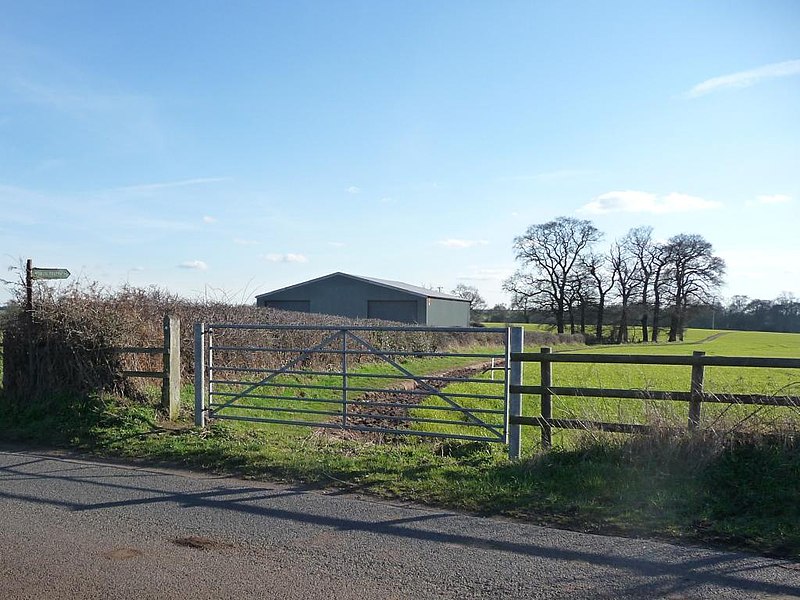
(337, 244)
(353, 189)
(209, 220)
(196, 265)
(163, 224)
(122, 118)
(557, 175)
(744, 79)
(773, 199)
(153, 187)
(285, 258)
(455, 243)
(75, 98)
(486, 275)
(632, 201)
(243, 242)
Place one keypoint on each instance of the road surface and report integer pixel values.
(73, 528)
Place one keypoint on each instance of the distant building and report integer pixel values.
(366, 297)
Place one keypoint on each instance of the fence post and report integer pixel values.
(547, 399)
(171, 387)
(515, 343)
(696, 400)
(199, 375)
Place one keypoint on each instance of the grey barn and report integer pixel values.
(366, 297)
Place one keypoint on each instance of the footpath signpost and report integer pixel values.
(33, 273)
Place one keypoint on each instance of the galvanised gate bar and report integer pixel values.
(427, 381)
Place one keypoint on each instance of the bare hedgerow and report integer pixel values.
(68, 345)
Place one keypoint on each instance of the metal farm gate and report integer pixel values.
(427, 381)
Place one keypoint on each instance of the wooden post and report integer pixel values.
(515, 343)
(29, 288)
(171, 387)
(695, 402)
(547, 398)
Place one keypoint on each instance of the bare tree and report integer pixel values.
(625, 266)
(602, 278)
(470, 293)
(661, 279)
(696, 275)
(581, 292)
(551, 251)
(523, 294)
(640, 242)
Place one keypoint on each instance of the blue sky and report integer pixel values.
(227, 149)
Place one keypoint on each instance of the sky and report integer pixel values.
(225, 149)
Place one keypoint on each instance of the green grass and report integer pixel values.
(326, 396)
(741, 494)
(718, 380)
(685, 489)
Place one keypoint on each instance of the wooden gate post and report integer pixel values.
(547, 399)
(171, 387)
(696, 393)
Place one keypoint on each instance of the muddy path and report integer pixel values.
(374, 414)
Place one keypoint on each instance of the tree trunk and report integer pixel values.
(571, 313)
(599, 329)
(656, 316)
(583, 318)
(644, 327)
(674, 323)
(622, 335)
(560, 319)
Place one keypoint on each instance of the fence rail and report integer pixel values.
(695, 397)
(170, 375)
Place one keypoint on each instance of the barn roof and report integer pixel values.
(397, 285)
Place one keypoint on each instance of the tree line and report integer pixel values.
(564, 274)
(781, 314)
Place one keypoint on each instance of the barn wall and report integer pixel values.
(345, 297)
(447, 313)
(294, 305)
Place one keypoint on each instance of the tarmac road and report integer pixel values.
(72, 528)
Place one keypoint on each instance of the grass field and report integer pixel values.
(718, 380)
(318, 398)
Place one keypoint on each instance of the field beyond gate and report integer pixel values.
(368, 379)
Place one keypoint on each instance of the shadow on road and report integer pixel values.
(725, 569)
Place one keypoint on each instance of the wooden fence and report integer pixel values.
(171, 373)
(695, 396)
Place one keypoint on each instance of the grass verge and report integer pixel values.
(743, 495)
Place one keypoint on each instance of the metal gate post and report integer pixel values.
(516, 344)
(209, 331)
(546, 378)
(199, 375)
(344, 378)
